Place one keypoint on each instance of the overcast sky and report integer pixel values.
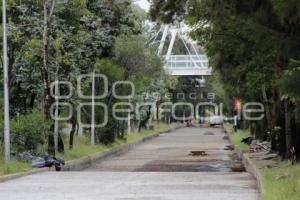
(143, 4)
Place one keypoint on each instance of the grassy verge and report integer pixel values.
(81, 148)
(238, 136)
(281, 181)
(14, 166)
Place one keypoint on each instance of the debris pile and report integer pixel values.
(41, 161)
(260, 147)
(256, 146)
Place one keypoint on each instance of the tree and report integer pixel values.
(52, 40)
(250, 44)
(223, 28)
(167, 11)
(143, 67)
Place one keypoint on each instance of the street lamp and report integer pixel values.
(6, 130)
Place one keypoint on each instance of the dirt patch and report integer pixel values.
(209, 133)
(182, 168)
(225, 137)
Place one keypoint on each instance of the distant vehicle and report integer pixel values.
(215, 120)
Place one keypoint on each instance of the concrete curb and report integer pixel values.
(21, 174)
(85, 162)
(248, 163)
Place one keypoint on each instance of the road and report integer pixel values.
(186, 164)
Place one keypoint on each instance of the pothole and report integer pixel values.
(198, 153)
(229, 148)
(238, 168)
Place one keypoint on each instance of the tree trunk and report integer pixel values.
(73, 130)
(288, 135)
(267, 108)
(32, 100)
(45, 72)
(143, 123)
(157, 111)
(47, 101)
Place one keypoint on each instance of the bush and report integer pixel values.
(28, 131)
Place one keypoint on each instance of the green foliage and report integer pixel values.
(238, 136)
(290, 82)
(28, 131)
(167, 11)
(108, 67)
(224, 27)
(131, 52)
(253, 46)
(82, 145)
(80, 33)
(14, 166)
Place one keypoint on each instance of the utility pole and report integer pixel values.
(5, 84)
(128, 123)
(56, 127)
(93, 111)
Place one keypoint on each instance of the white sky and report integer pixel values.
(143, 4)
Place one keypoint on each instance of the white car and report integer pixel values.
(215, 120)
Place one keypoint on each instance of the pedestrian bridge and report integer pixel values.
(187, 65)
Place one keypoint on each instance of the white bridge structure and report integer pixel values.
(187, 65)
(192, 64)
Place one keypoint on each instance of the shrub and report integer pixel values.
(28, 131)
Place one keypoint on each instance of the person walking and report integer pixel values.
(235, 122)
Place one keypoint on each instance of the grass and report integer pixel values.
(287, 188)
(282, 189)
(14, 166)
(238, 136)
(81, 148)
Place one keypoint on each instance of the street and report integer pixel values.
(186, 164)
